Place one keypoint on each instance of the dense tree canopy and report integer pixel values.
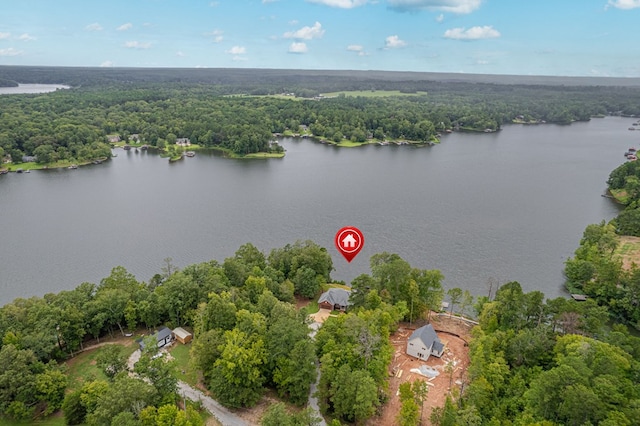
(72, 125)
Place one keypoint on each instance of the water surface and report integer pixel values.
(511, 205)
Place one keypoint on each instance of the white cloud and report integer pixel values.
(4, 35)
(293, 22)
(624, 4)
(93, 27)
(180, 53)
(125, 27)
(214, 4)
(106, 64)
(237, 50)
(482, 62)
(269, 1)
(137, 45)
(216, 35)
(452, 6)
(239, 58)
(393, 42)
(343, 4)
(358, 49)
(26, 37)
(440, 18)
(10, 52)
(474, 33)
(298, 47)
(306, 33)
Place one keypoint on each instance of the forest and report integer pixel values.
(532, 361)
(240, 310)
(239, 111)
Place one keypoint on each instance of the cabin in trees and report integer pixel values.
(182, 335)
(163, 337)
(335, 299)
(424, 342)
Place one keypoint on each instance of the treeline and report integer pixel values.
(73, 124)
(624, 184)
(149, 398)
(7, 83)
(248, 336)
(38, 331)
(546, 363)
(597, 270)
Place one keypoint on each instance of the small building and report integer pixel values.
(424, 342)
(579, 297)
(182, 335)
(163, 337)
(335, 299)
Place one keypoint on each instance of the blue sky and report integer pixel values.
(528, 37)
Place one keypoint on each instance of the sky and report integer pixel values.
(522, 37)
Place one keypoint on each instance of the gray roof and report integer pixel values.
(428, 337)
(336, 296)
(163, 333)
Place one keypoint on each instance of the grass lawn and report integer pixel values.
(628, 251)
(184, 370)
(57, 419)
(372, 93)
(350, 144)
(263, 155)
(82, 368)
(620, 195)
(335, 285)
(312, 307)
(12, 167)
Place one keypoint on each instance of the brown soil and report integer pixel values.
(301, 302)
(321, 316)
(253, 415)
(456, 351)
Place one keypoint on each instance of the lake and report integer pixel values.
(510, 205)
(32, 88)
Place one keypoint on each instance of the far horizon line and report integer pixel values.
(350, 70)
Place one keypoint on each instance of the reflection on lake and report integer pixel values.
(510, 205)
(32, 88)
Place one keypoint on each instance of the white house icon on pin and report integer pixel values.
(349, 241)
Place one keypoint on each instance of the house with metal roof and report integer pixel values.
(163, 337)
(424, 342)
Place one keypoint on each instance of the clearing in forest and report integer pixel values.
(628, 251)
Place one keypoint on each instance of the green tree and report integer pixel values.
(111, 360)
(126, 394)
(160, 373)
(74, 411)
(306, 283)
(455, 296)
(237, 379)
(355, 395)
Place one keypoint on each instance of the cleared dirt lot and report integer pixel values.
(456, 352)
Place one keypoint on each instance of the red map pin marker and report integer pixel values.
(349, 241)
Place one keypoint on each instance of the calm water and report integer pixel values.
(31, 88)
(510, 205)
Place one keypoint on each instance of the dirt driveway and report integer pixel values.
(456, 352)
(320, 316)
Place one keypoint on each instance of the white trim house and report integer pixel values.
(424, 342)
